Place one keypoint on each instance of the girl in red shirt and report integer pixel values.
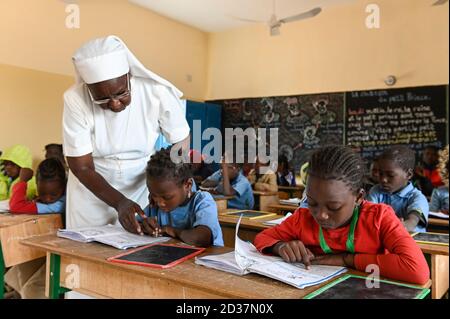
(339, 228)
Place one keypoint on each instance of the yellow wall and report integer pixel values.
(34, 35)
(31, 108)
(333, 52)
(35, 38)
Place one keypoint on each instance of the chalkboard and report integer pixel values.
(304, 122)
(157, 255)
(355, 287)
(378, 119)
(434, 238)
(251, 214)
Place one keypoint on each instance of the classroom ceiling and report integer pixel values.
(218, 15)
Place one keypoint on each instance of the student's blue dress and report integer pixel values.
(439, 199)
(57, 207)
(403, 202)
(201, 209)
(243, 199)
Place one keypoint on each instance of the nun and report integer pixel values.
(112, 118)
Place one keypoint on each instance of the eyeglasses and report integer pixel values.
(113, 97)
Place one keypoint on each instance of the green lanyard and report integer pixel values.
(350, 239)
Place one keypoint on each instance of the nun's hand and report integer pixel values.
(127, 210)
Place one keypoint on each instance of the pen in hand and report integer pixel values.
(157, 232)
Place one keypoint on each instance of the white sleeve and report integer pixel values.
(76, 130)
(172, 120)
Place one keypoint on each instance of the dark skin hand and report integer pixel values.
(25, 174)
(199, 236)
(296, 251)
(411, 222)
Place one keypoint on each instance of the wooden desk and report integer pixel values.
(222, 202)
(248, 229)
(293, 191)
(438, 221)
(439, 268)
(280, 208)
(14, 228)
(83, 268)
(264, 199)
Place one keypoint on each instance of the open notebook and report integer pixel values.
(246, 259)
(113, 235)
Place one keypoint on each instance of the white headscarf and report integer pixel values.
(108, 58)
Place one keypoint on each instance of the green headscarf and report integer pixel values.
(21, 156)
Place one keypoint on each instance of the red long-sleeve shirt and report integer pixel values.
(380, 239)
(18, 202)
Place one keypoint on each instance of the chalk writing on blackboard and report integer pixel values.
(411, 116)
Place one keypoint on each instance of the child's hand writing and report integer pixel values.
(151, 227)
(294, 251)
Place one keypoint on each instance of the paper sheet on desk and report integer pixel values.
(250, 259)
(4, 206)
(438, 215)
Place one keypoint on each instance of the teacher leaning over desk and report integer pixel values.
(112, 118)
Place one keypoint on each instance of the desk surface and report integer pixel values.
(186, 274)
(256, 224)
(438, 221)
(14, 228)
(200, 278)
(222, 197)
(261, 193)
(433, 249)
(283, 207)
(291, 188)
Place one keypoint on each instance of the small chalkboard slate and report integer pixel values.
(356, 287)
(157, 255)
(250, 214)
(431, 238)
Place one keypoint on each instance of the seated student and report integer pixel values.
(285, 176)
(200, 169)
(51, 187)
(176, 210)
(262, 178)
(229, 181)
(396, 166)
(54, 150)
(340, 228)
(439, 198)
(13, 159)
(372, 179)
(428, 166)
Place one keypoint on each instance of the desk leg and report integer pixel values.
(2, 273)
(439, 275)
(55, 290)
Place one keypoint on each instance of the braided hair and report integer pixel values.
(51, 169)
(443, 165)
(403, 156)
(338, 163)
(161, 166)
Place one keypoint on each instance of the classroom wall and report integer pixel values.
(35, 37)
(333, 52)
(31, 108)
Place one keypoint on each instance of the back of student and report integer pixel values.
(262, 178)
(240, 187)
